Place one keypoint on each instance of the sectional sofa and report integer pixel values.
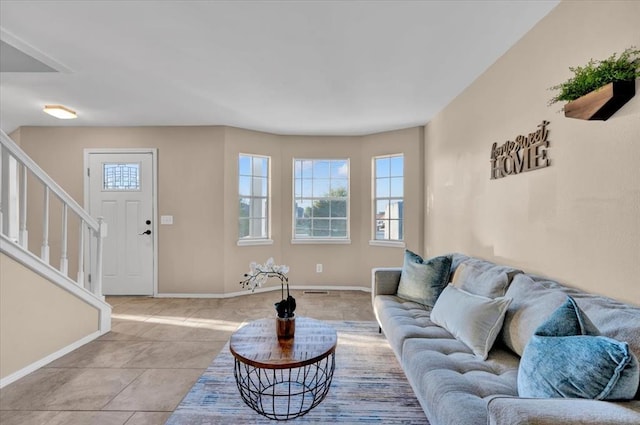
(457, 385)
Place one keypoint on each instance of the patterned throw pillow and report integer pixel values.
(422, 281)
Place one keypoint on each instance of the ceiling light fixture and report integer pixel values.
(60, 112)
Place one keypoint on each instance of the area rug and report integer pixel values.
(368, 387)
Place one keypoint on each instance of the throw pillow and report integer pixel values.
(484, 278)
(533, 302)
(473, 319)
(422, 281)
(566, 357)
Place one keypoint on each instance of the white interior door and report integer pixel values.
(121, 191)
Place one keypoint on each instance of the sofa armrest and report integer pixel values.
(385, 280)
(539, 411)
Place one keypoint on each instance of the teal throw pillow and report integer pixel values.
(421, 280)
(566, 357)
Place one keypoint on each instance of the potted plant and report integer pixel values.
(601, 87)
(257, 276)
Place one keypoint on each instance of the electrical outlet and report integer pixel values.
(318, 268)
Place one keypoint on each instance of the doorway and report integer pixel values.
(120, 186)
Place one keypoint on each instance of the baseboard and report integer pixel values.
(48, 359)
(239, 293)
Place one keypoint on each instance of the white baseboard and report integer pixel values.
(48, 359)
(239, 293)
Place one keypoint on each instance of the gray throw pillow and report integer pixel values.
(472, 319)
(423, 281)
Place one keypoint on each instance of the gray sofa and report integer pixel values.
(455, 387)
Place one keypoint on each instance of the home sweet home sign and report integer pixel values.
(525, 153)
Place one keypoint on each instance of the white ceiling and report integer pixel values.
(286, 67)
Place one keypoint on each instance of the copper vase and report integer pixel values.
(285, 327)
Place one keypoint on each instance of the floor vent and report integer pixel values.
(316, 292)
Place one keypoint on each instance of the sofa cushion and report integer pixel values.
(566, 357)
(532, 303)
(401, 319)
(452, 384)
(472, 319)
(422, 281)
(483, 277)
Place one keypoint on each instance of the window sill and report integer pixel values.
(254, 242)
(388, 244)
(320, 241)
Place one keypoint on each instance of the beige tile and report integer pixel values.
(127, 330)
(187, 331)
(66, 389)
(177, 355)
(156, 390)
(14, 417)
(97, 354)
(166, 332)
(32, 391)
(92, 418)
(149, 418)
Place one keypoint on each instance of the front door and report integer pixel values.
(120, 189)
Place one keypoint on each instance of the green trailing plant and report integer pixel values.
(597, 73)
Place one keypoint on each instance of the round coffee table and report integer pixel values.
(284, 379)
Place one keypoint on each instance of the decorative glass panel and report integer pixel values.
(121, 176)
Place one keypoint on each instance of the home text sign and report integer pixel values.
(526, 153)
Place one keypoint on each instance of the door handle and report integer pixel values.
(146, 232)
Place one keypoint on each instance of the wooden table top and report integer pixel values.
(257, 344)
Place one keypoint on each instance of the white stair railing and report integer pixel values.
(15, 167)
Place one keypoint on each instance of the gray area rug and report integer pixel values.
(368, 386)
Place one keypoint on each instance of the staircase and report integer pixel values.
(28, 261)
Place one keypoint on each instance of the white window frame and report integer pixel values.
(324, 239)
(374, 183)
(253, 240)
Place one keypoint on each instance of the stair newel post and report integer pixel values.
(102, 233)
(64, 259)
(80, 279)
(44, 251)
(24, 233)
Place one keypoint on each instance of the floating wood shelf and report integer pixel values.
(602, 103)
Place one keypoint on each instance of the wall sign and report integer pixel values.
(526, 153)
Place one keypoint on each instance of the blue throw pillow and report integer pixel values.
(566, 357)
(423, 281)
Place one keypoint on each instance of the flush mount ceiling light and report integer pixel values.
(60, 112)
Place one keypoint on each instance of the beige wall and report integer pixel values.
(190, 160)
(37, 318)
(578, 220)
(197, 184)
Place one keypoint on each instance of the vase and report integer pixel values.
(285, 327)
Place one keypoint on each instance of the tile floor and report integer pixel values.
(139, 372)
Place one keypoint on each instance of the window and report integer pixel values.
(253, 190)
(121, 176)
(321, 199)
(389, 197)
